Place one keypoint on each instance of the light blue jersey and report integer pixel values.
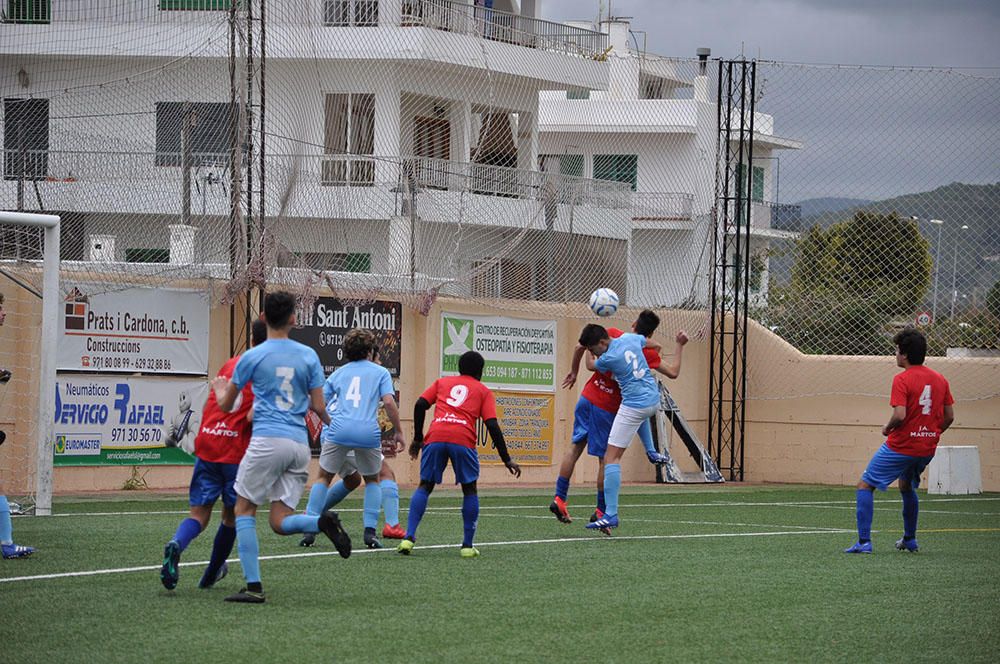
(282, 372)
(624, 359)
(353, 394)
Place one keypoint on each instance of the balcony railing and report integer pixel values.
(501, 26)
(662, 206)
(780, 216)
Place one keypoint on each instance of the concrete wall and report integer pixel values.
(826, 438)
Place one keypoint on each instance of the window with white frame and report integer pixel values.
(349, 133)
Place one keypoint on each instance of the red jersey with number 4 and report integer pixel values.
(224, 436)
(924, 392)
(602, 389)
(459, 402)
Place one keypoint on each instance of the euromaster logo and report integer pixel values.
(78, 444)
(456, 338)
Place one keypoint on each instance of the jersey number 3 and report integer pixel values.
(286, 395)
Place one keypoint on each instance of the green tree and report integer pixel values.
(993, 300)
(849, 281)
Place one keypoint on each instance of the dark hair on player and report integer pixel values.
(591, 334)
(912, 343)
(258, 332)
(278, 309)
(376, 354)
(646, 323)
(357, 344)
(471, 364)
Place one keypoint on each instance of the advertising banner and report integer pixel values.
(520, 353)
(104, 420)
(324, 325)
(526, 419)
(145, 330)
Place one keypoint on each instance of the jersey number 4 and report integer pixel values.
(925, 400)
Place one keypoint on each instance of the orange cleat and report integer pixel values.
(558, 507)
(393, 532)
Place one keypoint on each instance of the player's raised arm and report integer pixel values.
(673, 368)
(225, 393)
(496, 435)
(570, 378)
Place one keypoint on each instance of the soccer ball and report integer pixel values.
(604, 302)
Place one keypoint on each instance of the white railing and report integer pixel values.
(662, 206)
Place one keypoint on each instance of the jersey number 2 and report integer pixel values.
(925, 400)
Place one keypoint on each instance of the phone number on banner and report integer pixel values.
(130, 364)
(128, 435)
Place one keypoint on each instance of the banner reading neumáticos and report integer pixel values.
(103, 420)
(527, 422)
(520, 353)
(145, 330)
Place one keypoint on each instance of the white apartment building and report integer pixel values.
(655, 128)
(390, 124)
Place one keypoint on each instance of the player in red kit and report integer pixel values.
(219, 447)
(921, 411)
(460, 401)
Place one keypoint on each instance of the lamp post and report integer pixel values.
(954, 266)
(937, 256)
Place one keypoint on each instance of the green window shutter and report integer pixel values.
(741, 179)
(578, 93)
(757, 186)
(358, 263)
(194, 5)
(617, 168)
(571, 164)
(29, 11)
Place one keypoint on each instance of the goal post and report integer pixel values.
(45, 423)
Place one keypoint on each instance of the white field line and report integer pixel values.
(923, 510)
(836, 504)
(690, 523)
(313, 554)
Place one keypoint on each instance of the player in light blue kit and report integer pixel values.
(287, 381)
(353, 441)
(623, 358)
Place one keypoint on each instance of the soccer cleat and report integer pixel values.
(169, 572)
(245, 596)
(558, 507)
(469, 552)
(16, 551)
(330, 524)
(219, 575)
(308, 539)
(393, 532)
(655, 457)
(598, 514)
(405, 547)
(371, 539)
(604, 524)
(911, 546)
(858, 547)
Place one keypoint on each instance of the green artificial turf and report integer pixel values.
(730, 573)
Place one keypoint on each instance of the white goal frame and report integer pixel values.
(45, 425)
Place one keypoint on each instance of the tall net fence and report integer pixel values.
(412, 149)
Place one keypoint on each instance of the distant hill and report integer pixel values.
(820, 206)
(975, 205)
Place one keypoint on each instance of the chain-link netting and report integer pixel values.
(416, 148)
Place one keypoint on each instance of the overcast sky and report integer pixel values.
(951, 33)
(866, 133)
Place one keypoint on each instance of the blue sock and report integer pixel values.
(372, 504)
(249, 549)
(6, 530)
(336, 493)
(601, 504)
(225, 537)
(470, 515)
(390, 502)
(317, 498)
(187, 531)
(911, 505)
(646, 435)
(562, 487)
(418, 504)
(865, 507)
(612, 484)
(300, 523)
